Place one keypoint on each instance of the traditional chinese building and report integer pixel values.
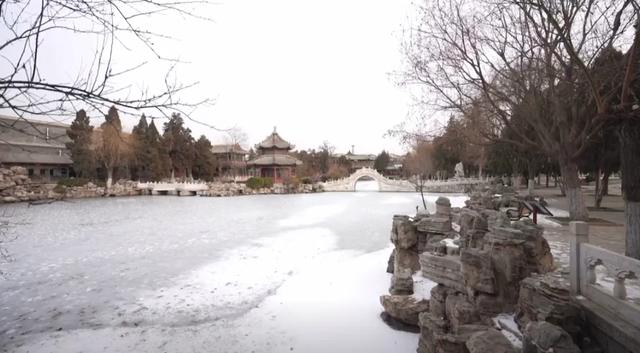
(38, 146)
(273, 160)
(232, 160)
(360, 160)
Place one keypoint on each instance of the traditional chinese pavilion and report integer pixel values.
(273, 160)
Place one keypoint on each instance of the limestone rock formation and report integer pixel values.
(403, 232)
(404, 308)
(391, 261)
(401, 282)
(495, 256)
(479, 260)
(546, 298)
(490, 341)
(543, 337)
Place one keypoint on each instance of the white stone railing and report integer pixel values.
(585, 257)
(174, 186)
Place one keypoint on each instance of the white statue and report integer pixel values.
(459, 170)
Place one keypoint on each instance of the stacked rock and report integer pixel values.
(411, 237)
(483, 281)
(478, 268)
(405, 256)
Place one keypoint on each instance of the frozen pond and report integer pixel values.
(167, 274)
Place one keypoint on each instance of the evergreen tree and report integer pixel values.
(142, 151)
(178, 143)
(204, 165)
(382, 161)
(160, 164)
(80, 133)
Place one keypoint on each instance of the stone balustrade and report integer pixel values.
(394, 185)
(178, 188)
(585, 257)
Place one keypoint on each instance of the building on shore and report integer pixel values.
(273, 159)
(395, 169)
(359, 161)
(231, 161)
(38, 146)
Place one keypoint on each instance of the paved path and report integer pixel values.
(609, 236)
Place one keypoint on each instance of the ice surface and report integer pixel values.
(255, 273)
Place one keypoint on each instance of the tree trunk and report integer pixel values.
(546, 182)
(424, 203)
(530, 179)
(605, 184)
(598, 191)
(632, 229)
(577, 206)
(629, 134)
(109, 178)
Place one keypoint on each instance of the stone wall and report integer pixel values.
(478, 260)
(15, 186)
(218, 189)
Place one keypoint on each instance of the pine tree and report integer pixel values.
(160, 163)
(142, 151)
(178, 142)
(204, 165)
(80, 132)
(382, 161)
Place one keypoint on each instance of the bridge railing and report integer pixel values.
(588, 280)
(365, 171)
(195, 185)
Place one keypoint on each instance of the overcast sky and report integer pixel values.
(316, 70)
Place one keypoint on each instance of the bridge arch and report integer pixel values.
(366, 174)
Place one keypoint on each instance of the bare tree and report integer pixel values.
(419, 166)
(236, 136)
(110, 145)
(514, 60)
(26, 26)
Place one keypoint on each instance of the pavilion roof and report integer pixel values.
(274, 141)
(275, 159)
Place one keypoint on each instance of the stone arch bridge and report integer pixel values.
(391, 185)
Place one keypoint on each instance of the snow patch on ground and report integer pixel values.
(238, 281)
(509, 328)
(328, 305)
(312, 215)
(422, 287)
(397, 200)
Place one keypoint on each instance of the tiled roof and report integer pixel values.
(360, 157)
(275, 159)
(228, 148)
(274, 141)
